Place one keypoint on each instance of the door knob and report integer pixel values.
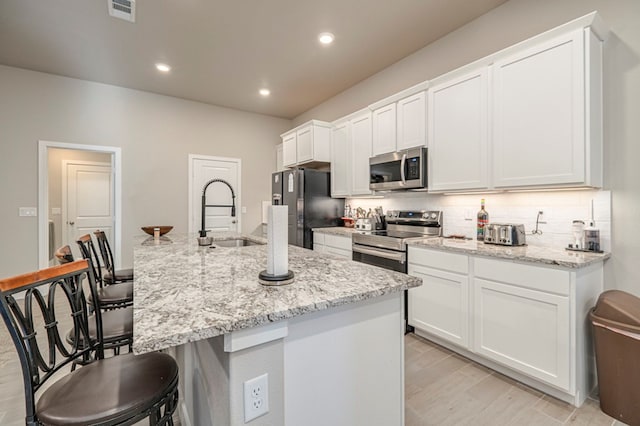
(233, 221)
(71, 223)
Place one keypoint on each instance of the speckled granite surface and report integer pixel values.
(531, 254)
(337, 230)
(184, 292)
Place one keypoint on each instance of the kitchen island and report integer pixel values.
(331, 342)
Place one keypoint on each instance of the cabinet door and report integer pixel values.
(384, 129)
(279, 161)
(539, 110)
(525, 329)
(411, 126)
(340, 160)
(458, 126)
(440, 305)
(304, 138)
(289, 155)
(361, 141)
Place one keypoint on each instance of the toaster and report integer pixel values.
(506, 234)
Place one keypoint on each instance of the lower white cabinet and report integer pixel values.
(336, 245)
(528, 321)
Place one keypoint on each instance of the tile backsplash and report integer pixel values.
(560, 209)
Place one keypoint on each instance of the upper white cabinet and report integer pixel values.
(458, 131)
(399, 121)
(545, 100)
(307, 144)
(279, 161)
(351, 138)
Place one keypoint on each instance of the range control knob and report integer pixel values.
(433, 215)
(425, 215)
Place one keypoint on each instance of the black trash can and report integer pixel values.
(616, 331)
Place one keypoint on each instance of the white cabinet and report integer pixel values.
(279, 159)
(527, 321)
(399, 121)
(350, 152)
(335, 245)
(307, 144)
(340, 159)
(458, 132)
(289, 156)
(547, 113)
(441, 305)
(411, 125)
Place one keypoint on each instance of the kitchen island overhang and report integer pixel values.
(323, 339)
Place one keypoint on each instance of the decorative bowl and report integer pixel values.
(163, 229)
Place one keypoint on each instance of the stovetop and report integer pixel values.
(402, 226)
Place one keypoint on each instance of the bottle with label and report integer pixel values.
(483, 220)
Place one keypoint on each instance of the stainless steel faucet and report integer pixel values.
(203, 232)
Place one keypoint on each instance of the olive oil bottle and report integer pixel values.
(483, 220)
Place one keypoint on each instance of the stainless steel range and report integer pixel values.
(388, 249)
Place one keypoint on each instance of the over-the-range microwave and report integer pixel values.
(399, 170)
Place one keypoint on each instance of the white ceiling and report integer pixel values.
(222, 51)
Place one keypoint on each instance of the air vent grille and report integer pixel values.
(123, 9)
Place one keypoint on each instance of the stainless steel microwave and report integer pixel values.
(399, 170)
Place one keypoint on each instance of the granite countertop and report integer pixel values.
(336, 230)
(529, 253)
(184, 292)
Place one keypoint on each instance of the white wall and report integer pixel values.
(517, 20)
(156, 134)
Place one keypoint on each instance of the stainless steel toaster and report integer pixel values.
(506, 234)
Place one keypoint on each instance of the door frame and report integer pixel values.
(65, 177)
(43, 194)
(238, 190)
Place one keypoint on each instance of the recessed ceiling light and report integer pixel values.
(326, 38)
(265, 92)
(163, 67)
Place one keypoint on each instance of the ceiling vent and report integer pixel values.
(123, 9)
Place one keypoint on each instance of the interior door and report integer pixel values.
(204, 169)
(87, 199)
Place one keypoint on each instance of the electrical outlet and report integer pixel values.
(256, 397)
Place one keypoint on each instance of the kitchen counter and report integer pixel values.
(184, 292)
(529, 253)
(336, 230)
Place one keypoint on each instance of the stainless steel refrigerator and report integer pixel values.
(307, 192)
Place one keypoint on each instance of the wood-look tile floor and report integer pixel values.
(443, 388)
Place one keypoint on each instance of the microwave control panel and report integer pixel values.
(413, 168)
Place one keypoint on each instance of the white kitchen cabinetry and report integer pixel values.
(441, 305)
(336, 245)
(458, 131)
(399, 121)
(547, 113)
(527, 321)
(279, 159)
(350, 152)
(308, 144)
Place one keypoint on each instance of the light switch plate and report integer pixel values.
(56, 210)
(28, 211)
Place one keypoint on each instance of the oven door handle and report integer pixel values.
(403, 163)
(391, 255)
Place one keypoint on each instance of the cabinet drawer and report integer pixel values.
(338, 242)
(439, 260)
(534, 277)
(318, 238)
(338, 252)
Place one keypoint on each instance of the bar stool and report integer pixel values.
(117, 324)
(110, 276)
(119, 390)
(110, 296)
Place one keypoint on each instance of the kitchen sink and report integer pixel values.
(236, 242)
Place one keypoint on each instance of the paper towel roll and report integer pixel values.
(277, 241)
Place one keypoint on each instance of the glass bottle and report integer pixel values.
(483, 220)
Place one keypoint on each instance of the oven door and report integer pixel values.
(388, 259)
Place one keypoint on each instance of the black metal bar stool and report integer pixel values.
(110, 296)
(115, 391)
(110, 276)
(117, 324)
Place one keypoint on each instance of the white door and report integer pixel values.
(202, 170)
(411, 126)
(384, 130)
(87, 200)
(340, 160)
(361, 142)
